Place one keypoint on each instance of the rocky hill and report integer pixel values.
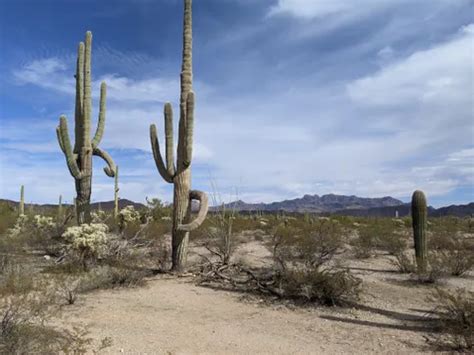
(318, 204)
(326, 204)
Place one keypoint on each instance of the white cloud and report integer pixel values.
(321, 8)
(443, 74)
(407, 125)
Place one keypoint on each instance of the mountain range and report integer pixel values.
(347, 205)
(326, 204)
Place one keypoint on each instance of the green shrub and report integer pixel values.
(8, 217)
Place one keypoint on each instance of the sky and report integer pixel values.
(369, 98)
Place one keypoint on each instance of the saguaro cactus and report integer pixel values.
(22, 200)
(60, 207)
(419, 218)
(79, 159)
(180, 175)
(116, 196)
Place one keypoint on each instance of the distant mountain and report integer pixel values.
(390, 211)
(106, 205)
(317, 204)
(109, 205)
(455, 210)
(326, 204)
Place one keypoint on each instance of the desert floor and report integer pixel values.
(172, 315)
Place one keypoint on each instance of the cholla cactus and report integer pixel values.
(180, 175)
(87, 240)
(79, 159)
(43, 222)
(98, 216)
(19, 226)
(127, 216)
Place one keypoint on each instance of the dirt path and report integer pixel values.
(173, 316)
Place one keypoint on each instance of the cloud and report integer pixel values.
(321, 8)
(441, 73)
(47, 73)
(381, 113)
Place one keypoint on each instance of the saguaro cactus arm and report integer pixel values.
(169, 139)
(101, 121)
(157, 155)
(189, 131)
(79, 96)
(201, 216)
(58, 134)
(65, 144)
(110, 169)
(87, 104)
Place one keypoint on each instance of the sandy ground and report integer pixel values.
(174, 316)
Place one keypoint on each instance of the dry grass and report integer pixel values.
(456, 318)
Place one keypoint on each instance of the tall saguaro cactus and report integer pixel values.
(419, 219)
(22, 200)
(116, 196)
(79, 159)
(60, 207)
(180, 175)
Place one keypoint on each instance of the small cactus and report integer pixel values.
(419, 219)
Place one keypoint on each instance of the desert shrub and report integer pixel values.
(364, 244)
(158, 209)
(105, 277)
(24, 329)
(449, 225)
(220, 232)
(35, 232)
(125, 277)
(381, 233)
(326, 287)
(16, 279)
(300, 255)
(301, 270)
(8, 217)
(241, 224)
(312, 246)
(68, 288)
(454, 252)
(456, 262)
(456, 317)
(404, 263)
(435, 268)
(26, 306)
(434, 271)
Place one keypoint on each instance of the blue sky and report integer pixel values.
(294, 97)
